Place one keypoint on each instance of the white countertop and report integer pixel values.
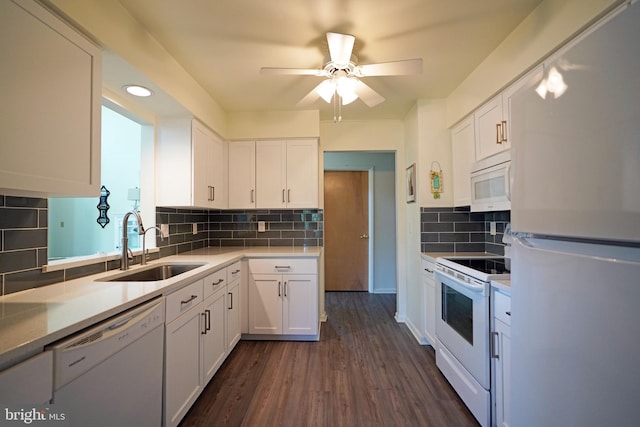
(34, 318)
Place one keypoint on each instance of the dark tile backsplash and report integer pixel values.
(23, 237)
(459, 230)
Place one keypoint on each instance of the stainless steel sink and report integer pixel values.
(152, 274)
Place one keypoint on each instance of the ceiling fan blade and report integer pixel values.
(340, 47)
(368, 95)
(394, 68)
(309, 98)
(292, 71)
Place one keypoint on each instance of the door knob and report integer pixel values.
(364, 236)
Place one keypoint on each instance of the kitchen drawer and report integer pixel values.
(234, 271)
(215, 281)
(283, 266)
(182, 300)
(502, 307)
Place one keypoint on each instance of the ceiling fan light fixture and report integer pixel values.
(326, 89)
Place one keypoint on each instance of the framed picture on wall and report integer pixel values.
(411, 183)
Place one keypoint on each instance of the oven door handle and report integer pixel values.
(470, 286)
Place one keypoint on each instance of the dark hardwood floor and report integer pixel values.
(366, 370)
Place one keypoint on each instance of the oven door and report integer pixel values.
(462, 323)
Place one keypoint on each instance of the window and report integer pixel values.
(73, 229)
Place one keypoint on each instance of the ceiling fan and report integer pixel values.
(342, 75)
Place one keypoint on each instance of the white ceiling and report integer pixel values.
(224, 43)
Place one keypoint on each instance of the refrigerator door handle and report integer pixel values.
(507, 182)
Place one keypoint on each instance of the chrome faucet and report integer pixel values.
(144, 252)
(124, 260)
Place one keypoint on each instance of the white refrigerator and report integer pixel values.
(576, 215)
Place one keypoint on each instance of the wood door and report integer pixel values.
(346, 228)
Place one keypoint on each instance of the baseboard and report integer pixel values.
(415, 331)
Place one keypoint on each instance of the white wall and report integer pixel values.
(550, 25)
(427, 139)
(273, 124)
(379, 135)
(382, 167)
(113, 27)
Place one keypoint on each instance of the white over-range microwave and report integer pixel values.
(491, 183)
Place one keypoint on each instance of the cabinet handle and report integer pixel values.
(252, 194)
(283, 267)
(504, 131)
(218, 282)
(230, 301)
(236, 271)
(285, 288)
(204, 331)
(498, 134)
(208, 312)
(428, 271)
(279, 288)
(494, 347)
(508, 313)
(187, 301)
(288, 196)
(213, 193)
(283, 196)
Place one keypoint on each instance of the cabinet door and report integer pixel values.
(233, 315)
(428, 285)
(217, 172)
(242, 175)
(214, 339)
(271, 174)
(201, 151)
(50, 110)
(300, 304)
(302, 174)
(463, 154)
(183, 362)
(488, 128)
(507, 95)
(502, 370)
(265, 304)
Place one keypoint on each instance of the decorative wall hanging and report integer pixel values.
(103, 207)
(436, 179)
(411, 183)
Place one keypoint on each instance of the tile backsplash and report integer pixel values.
(23, 237)
(459, 230)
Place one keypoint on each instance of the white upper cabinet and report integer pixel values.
(190, 165)
(493, 120)
(462, 151)
(489, 124)
(287, 174)
(242, 175)
(51, 83)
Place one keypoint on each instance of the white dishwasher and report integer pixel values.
(111, 374)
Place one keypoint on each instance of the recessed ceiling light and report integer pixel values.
(138, 90)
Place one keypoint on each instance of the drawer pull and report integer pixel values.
(494, 346)
(218, 282)
(236, 271)
(428, 271)
(187, 301)
(508, 313)
(230, 301)
(283, 267)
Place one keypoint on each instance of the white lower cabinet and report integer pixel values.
(501, 357)
(203, 326)
(28, 382)
(429, 289)
(283, 297)
(233, 314)
(183, 352)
